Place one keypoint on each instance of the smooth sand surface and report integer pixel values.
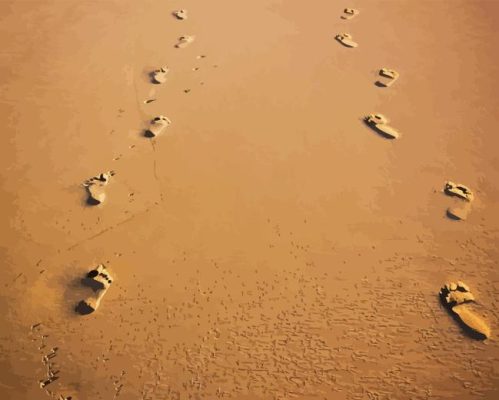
(269, 245)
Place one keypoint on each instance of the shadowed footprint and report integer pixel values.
(158, 76)
(346, 40)
(459, 213)
(457, 298)
(180, 14)
(157, 126)
(184, 41)
(99, 280)
(379, 123)
(388, 77)
(95, 187)
(349, 13)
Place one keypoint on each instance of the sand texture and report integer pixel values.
(267, 243)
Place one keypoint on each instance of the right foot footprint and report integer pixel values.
(157, 126)
(379, 123)
(184, 41)
(455, 297)
(463, 192)
(159, 76)
(346, 40)
(349, 13)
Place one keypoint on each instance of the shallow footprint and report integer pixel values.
(95, 187)
(379, 123)
(157, 126)
(388, 77)
(158, 76)
(180, 14)
(184, 41)
(457, 298)
(349, 13)
(346, 40)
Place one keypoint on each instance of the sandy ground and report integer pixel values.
(268, 245)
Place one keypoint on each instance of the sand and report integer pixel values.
(269, 245)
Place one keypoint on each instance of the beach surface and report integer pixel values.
(268, 244)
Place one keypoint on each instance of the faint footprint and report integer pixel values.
(184, 41)
(456, 298)
(180, 14)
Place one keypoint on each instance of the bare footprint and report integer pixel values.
(458, 190)
(99, 280)
(157, 126)
(158, 76)
(379, 123)
(184, 41)
(346, 40)
(462, 192)
(388, 77)
(180, 14)
(95, 187)
(349, 13)
(457, 298)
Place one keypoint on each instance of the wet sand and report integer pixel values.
(268, 244)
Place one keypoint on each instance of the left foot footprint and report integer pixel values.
(96, 187)
(180, 14)
(346, 40)
(349, 13)
(184, 41)
(379, 123)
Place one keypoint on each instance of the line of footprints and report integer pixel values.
(454, 296)
(95, 186)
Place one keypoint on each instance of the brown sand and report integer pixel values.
(269, 245)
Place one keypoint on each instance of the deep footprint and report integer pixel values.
(379, 123)
(158, 76)
(99, 280)
(95, 187)
(388, 77)
(349, 13)
(457, 298)
(346, 40)
(157, 126)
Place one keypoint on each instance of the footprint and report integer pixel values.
(99, 280)
(462, 192)
(180, 14)
(379, 123)
(457, 298)
(157, 126)
(346, 40)
(458, 190)
(184, 41)
(95, 187)
(388, 77)
(159, 76)
(349, 13)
